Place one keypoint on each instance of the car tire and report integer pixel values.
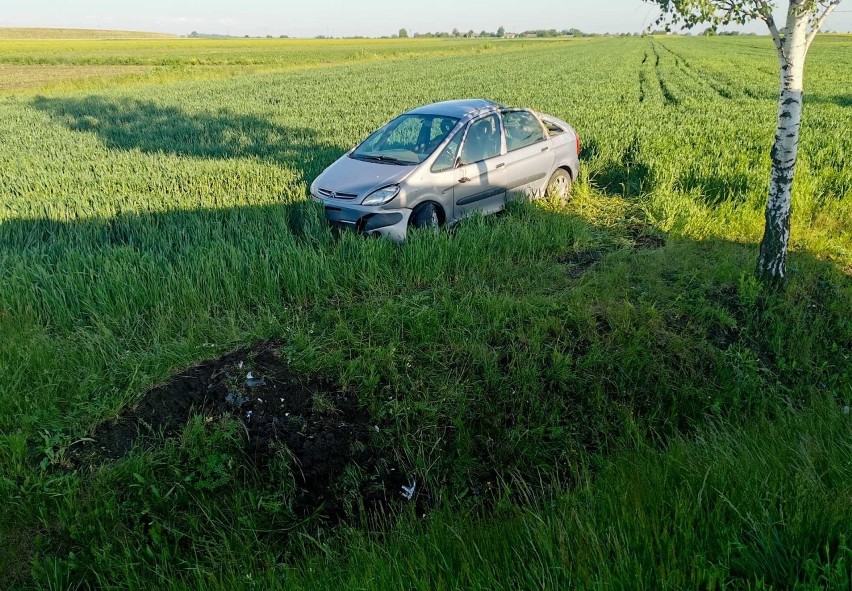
(426, 215)
(559, 185)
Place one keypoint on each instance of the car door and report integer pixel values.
(480, 185)
(529, 156)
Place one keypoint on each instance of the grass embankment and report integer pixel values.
(596, 392)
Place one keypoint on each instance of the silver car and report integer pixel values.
(438, 163)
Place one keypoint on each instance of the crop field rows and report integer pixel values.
(163, 61)
(150, 223)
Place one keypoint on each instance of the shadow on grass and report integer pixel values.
(841, 100)
(651, 342)
(725, 186)
(132, 124)
(626, 175)
(168, 233)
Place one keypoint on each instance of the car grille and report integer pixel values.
(333, 195)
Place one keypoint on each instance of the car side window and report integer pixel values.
(447, 159)
(483, 140)
(553, 129)
(522, 129)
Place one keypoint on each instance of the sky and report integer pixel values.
(308, 18)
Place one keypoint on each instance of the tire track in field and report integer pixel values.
(642, 78)
(721, 83)
(700, 75)
(668, 97)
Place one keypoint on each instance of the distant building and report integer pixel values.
(509, 36)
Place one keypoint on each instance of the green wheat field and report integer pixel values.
(593, 394)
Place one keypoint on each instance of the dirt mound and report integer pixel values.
(321, 426)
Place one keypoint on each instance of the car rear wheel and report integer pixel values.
(426, 215)
(559, 185)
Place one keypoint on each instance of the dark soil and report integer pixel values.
(321, 426)
(643, 240)
(579, 262)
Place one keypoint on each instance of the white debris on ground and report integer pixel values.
(408, 491)
(253, 382)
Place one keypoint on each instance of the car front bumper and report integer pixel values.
(366, 219)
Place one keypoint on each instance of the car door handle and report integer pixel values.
(464, 179)
(501, 165)
(545, 149)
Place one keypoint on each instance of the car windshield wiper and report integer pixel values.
(380, 158)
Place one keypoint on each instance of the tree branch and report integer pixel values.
(820, 21)
(765, 11)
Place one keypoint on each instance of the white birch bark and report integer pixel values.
(803, 23)
(804, 20)
(772, 263)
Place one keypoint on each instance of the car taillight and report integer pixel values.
(577, 135)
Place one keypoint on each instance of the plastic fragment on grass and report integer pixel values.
(408, 491)
(235, 399)
(253, 382)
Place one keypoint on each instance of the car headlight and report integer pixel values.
(381, 196)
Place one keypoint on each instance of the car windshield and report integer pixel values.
(408, 139)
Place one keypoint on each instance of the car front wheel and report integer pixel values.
(559, 185)
(426, 216)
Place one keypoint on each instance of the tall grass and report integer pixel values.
(145, 229)
(762, 506)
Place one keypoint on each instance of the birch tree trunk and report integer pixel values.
(772, 262)
(805, 18)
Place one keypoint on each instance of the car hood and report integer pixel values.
(357, 177)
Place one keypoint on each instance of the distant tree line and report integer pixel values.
(709, 32)
(500, 33)
(197, 35)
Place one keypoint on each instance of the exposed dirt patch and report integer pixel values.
(579, 262)
(643, 242)
(319, 425)
(642, 239)
(16, 555)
